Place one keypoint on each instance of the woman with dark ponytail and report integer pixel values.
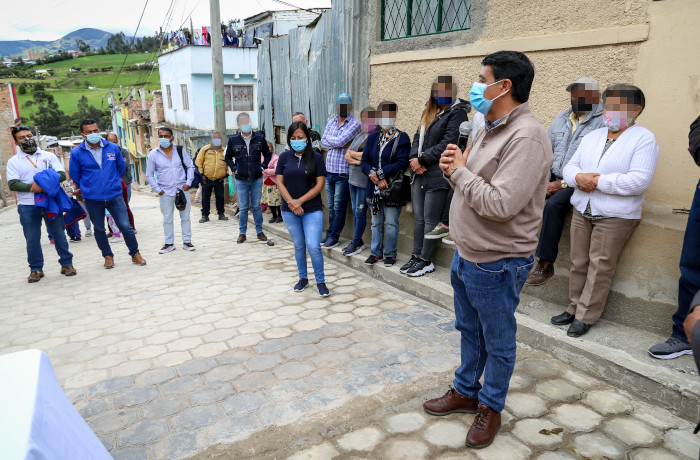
(301, 175)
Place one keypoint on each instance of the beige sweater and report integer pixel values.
(499, 197)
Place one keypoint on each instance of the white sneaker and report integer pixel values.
(117, 239)
(88, 232)
(167, 248)
(188, 247)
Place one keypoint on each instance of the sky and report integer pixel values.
(52, 19)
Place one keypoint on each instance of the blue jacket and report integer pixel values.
(55, 201)
(370, 157)
(100, 184)
(247, 164)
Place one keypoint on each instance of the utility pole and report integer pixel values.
(217, 69)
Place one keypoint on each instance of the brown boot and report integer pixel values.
(68, 270)
(138, 260)
(262, 237)
(241, 238)
(109, 262)
(541, 274)
(451, 403)
(35, 276)
(486, 425)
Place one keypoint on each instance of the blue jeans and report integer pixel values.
(249, 196)
(385, 222)
(486, 296)
(128, 190)
(30, 217)
(689, 282)
(306, 231)
(359, 211)
(167, 208)
(117, 208)
(337, 191)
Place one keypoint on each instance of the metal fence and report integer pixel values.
(305, 70)
(412, 18)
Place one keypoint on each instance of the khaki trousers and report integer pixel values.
(595, 249)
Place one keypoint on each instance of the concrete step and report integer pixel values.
(610, 351)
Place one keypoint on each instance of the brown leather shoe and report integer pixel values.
(486, 425)
(262, 237)
(541, 274)
(451, 403)
(109, 262)
(241, 238)
(138, 260)
(68, 270)
(35, 276)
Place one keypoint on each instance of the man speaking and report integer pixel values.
(499, 188)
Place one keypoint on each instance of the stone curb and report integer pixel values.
(678, 393)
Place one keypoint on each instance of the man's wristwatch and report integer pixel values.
(564, 184)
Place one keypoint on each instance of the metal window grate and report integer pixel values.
(412, 18)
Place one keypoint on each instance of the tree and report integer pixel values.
(22, 88)
(47, 117)
(82, 46)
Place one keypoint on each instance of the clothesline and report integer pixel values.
(234, 36)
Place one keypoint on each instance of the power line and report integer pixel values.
(164, 26)
(130, 46)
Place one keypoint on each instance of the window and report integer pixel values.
(411, 18)
(238, 98)
(169, 95)
(280, 135)
(185, 99)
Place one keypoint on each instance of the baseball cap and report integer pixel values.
(587, 82)
(344, 98)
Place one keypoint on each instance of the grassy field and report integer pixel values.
(66, 87)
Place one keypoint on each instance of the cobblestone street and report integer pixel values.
(209, 354)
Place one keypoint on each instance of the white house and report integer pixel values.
(188, 95)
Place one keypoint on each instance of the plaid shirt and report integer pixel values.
(489, 126)
(334, 140)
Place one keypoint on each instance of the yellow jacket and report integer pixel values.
(211, 163)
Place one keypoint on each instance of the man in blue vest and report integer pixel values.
(97, 166)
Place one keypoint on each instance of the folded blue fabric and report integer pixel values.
(55, 201)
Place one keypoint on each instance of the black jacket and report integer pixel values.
(694, 140)
(442, 131)
(247, 164)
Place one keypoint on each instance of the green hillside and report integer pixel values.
(67, 87)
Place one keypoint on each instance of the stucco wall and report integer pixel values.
(650, 44)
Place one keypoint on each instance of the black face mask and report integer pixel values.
(28, 145)
(580, 106)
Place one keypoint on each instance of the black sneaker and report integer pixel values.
(272, 220)
(279, 220)
(353, 249)
(204, 219)
(371, 260)
(390, 261)
(408, 265)
(323, 290)
(330, 243)
(324, 239)
(301, 285)
(671, 348)
(421, 268)
(223, 217)
(235, 214)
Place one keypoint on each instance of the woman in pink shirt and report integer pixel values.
(270, 195)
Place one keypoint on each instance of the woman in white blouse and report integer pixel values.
(612, 168)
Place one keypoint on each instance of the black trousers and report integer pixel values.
(218, 186)
(445, 219)
(556, 208)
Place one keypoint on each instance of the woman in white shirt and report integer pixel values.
(612, 169)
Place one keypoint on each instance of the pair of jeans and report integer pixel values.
(167, 208)
(486, 296)
(306, 231)
(207, 187)
(30, 217)
(689, 282)
(128, 191)
(249, 196)
(386, 221)
(556, 208)
(337, 191)
(428, 206)
(117, 208)
(359, 211)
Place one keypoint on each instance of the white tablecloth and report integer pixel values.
(37, 421)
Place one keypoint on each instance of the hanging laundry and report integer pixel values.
(205, 39)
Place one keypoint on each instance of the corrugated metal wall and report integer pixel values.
(307, 69)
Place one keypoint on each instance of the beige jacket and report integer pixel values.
(211, 163)
(499, 197)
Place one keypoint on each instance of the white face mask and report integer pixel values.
(387, 123)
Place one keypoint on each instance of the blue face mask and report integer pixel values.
(246, 128)
(477, 98)
(442, 100)
(164, 143)
(298, 145)
(216, 142)
(94, 138)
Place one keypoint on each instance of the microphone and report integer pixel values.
(464, 130)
